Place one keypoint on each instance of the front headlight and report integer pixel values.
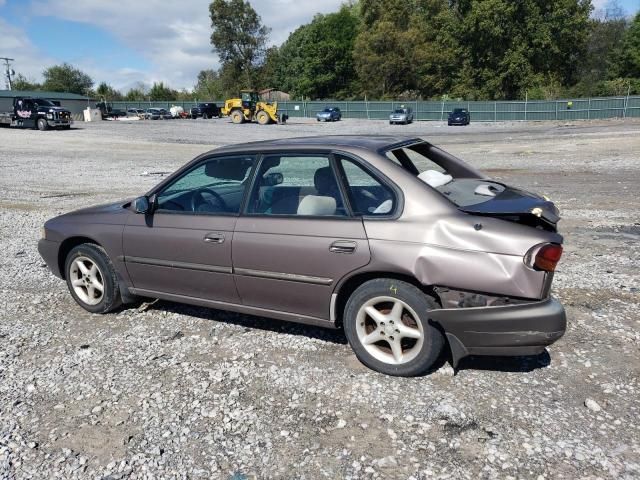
(50, 116)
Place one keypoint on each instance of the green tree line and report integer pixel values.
(408, 49)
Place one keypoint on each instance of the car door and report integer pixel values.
(297, 238)
(184, 246)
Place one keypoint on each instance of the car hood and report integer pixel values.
(109, 213)
(514, 202)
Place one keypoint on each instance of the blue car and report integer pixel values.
(329, 114)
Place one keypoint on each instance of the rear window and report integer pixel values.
(446, 174)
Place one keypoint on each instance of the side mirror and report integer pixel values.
(142, 205)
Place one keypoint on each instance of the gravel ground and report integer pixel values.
(173, 391)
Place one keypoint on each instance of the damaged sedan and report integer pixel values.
(407, 248)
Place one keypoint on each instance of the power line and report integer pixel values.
(7, 70)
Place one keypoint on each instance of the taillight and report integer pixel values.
(547, 257)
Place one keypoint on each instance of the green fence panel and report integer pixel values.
(481, 111)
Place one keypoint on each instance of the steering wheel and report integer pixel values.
(198, 199)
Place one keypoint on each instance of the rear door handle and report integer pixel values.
(214, 237)
(343, 246)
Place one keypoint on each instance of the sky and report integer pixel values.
(123, 42)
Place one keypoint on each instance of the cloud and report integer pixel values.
(29, 60)
(172, 36)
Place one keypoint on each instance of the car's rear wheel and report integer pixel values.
(386, 324)
(92, 279)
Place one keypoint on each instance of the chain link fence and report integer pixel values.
(498, 111)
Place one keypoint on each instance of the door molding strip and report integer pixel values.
(290, 277)
(173, 264)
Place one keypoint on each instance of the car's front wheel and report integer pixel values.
(92, 279)
(386, 324)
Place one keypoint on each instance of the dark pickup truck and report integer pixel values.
(36, 113)
(205, 110)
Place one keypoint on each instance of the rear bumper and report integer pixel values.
(49, 252)
(522, 329)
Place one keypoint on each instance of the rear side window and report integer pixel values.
(303, 185)
(368, 195)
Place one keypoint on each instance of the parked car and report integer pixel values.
(153, 114)
(403, 245)
(136, 112)
(205, 110)
(459, 116)
(332, 114)
(401, 115)
(165, 114)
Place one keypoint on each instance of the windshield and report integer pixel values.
(44, 103)
(399, 111)
(459, 110)
(450, 176)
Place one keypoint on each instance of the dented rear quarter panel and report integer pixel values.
(439, 245)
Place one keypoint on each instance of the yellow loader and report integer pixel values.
(248, 108)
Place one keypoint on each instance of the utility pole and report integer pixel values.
(7, 70)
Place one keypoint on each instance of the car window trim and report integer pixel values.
(384, 180)
(292, 153)
(191, 166)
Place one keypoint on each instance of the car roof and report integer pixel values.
(366, 142)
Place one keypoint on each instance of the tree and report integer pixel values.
(138, 93)
(629, 60)
(209, 86)
(239, 38)
(160, 92)
(66, 78)
(107, 92)
(509, 47)
(317, 59)
(20, 82)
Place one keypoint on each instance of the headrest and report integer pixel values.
(316, 205)
(324, 180)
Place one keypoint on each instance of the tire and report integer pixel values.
(263, 118)
(98, 269)
(42, 125)
(237, 117)
(205, 116)
(419, 348)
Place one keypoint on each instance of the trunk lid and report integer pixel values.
(493, 199)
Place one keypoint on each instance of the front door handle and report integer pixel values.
(343, 246)
(214, 237)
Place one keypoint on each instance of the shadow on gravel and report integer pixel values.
(253, 322)
(506, 364)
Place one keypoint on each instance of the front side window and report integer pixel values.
(216, 186)
(368, 195)
(296, 185)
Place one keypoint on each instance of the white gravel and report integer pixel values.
(172, 391)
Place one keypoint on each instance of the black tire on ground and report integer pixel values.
(237, 117)
(418, 301)
(42, 125)
(111, 290)
(263, 118)
(205, 116)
